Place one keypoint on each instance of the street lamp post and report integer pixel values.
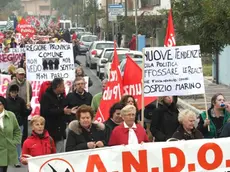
(136, 24)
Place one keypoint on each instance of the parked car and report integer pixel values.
(95, 49)
(121, 56)
(86, 41)
(80, 29)
(80, 34)
(105, 54)
(138, 61)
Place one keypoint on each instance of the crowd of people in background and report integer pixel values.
(70, 115)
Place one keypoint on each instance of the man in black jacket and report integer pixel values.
(54, 111)
(79, 96)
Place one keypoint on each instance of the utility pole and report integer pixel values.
(107, 19)
(136, 24)
(95, 16)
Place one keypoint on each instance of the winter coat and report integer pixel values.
(35, 146)
(181, 134)
(226, 130)
(43, 88)
(74, 99)
(216, 124)
(120, 135)
(164, 121)
(78, 137)
(22, 89)
(109, 126)
(18, 107)
(52, 109)
(132, 43)
(10, 136)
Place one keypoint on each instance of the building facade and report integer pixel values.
(37, 7)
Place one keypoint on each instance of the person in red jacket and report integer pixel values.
(132, 43)
(39, 143)
(43, 88)
(128, 132)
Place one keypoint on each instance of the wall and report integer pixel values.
(32, 7)
(224, 64)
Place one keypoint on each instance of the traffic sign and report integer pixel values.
(115, 9)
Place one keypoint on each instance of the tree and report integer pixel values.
(203, 22)
(3, 3)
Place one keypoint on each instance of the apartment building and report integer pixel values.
(150, 7)
(37, 7)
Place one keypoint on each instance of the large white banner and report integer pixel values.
(44, 62)
(183, 156)
(173, 71)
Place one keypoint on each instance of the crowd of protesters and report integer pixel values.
(70, 116)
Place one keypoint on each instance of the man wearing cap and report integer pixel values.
(20, 81)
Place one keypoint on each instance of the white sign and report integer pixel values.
(183, 156)
(17, 50)
(48, 61)
(7, 59)
(173, 71)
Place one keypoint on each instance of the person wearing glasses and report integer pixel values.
(78, 97)
(128, 132)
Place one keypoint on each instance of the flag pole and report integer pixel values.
(143, 93)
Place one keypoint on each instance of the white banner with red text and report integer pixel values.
(187, 156)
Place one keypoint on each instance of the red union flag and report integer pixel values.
(113, 90)
(25, 29)
(170, 34)
(132, 82)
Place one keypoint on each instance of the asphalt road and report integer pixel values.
(94, 89)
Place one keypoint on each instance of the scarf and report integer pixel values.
(1, 119)
(41, 136)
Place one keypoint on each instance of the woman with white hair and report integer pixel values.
(128, 132)
(187, 130)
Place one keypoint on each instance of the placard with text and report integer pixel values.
(173, 71)
(44, 62)
(179, 156)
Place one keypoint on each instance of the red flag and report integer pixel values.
(113, 90)
(132, 82)
(170, 34)
(25, 29)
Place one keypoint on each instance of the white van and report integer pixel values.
(3, 25)
(65, 24)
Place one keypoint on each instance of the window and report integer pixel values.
(44, 8)
(89, 38)
(101, 46)
(156, 2)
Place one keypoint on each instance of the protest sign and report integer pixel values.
(7, 59)
(44, 62)
(36, 85)
(173, 71)
(4, 81)
(17, 50)
(195, 155)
